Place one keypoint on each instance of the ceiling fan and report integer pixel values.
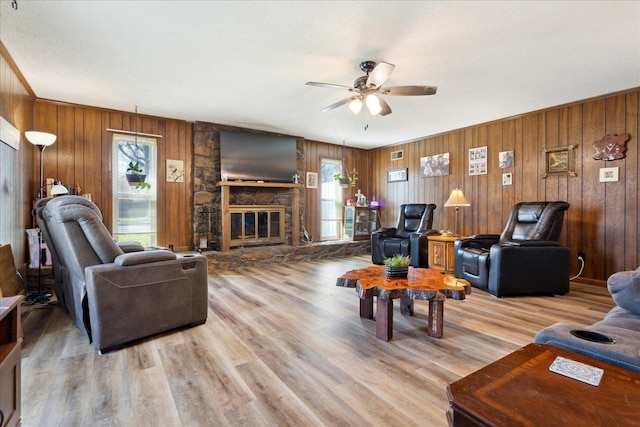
(368, 89)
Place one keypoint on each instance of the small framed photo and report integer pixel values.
(609, 174)
(505, 159)
(312, 179)
(400, 174)
(175, 170)
(507, 178)
(559, 161)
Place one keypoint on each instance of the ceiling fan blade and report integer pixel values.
(338, 104)
(380, 74)
(385, 107)
(329, 85)
(409, 90)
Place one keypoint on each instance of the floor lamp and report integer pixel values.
(456, 199)
(41, 140)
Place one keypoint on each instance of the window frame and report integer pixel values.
(118, 184)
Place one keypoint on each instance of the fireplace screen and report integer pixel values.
(256, 225)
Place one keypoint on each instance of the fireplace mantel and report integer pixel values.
(225, 187)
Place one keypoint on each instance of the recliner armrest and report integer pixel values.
(386, 231)
(479, 241)
(128, 247)
(430, 232)
(144, 257)
(495, 237)
(531, 243)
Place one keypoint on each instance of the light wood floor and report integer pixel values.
(282, 346)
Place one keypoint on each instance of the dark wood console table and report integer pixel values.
(519, 390)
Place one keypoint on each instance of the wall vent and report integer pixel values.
(397, 155)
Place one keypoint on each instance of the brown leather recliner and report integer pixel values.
(526, 259)
(408, 237)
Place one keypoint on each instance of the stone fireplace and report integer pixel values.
(211, 194)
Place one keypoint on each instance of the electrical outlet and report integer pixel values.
(581, 255)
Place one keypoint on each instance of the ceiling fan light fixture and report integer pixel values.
(373, 104)
(355, 106)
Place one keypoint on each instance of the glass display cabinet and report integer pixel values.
(359, 222)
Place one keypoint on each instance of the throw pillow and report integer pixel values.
(624, 287)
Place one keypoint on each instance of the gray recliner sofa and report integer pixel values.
(616, 338)
(117, 297)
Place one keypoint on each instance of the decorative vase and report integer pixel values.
(392, 271)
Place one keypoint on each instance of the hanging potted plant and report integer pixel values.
(346, 181)
(135, 177)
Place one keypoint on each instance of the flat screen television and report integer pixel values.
(255, 157)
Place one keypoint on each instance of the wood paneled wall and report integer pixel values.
(16, 107)
(602, 221)
(82, 155)
(314, 153)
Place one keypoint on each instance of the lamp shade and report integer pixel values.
(58, 189)
(40, 138)
(456, 199)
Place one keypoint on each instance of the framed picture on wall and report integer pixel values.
(478, 161)
(436, 165)
(609, 174)
(505, 159)
(400, 174)
(507, 178)
(312, 180)
(559, 161)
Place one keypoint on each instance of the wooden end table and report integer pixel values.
(441, 254)
(519, 390)
(421, 283)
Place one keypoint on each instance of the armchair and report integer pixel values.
(116, 297)
(408, 237)
(526, 259)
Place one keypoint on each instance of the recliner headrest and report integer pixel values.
(414, 210)
(530, 212)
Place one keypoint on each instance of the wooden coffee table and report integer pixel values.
(421, 283)
(519, 390)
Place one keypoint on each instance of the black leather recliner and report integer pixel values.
(526, 259)
(408, 237)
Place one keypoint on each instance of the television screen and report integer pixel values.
(255, 157)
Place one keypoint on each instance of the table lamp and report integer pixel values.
(456, 199)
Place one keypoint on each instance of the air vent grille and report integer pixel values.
(397, 155)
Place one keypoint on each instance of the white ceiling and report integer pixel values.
(246, 63)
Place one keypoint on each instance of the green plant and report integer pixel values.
(134, 169)
(352, 180)
(398, 261)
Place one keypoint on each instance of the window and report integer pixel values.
(331, 201)
(134, 209)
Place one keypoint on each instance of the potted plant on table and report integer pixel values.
(136, 177)
(397, 266)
